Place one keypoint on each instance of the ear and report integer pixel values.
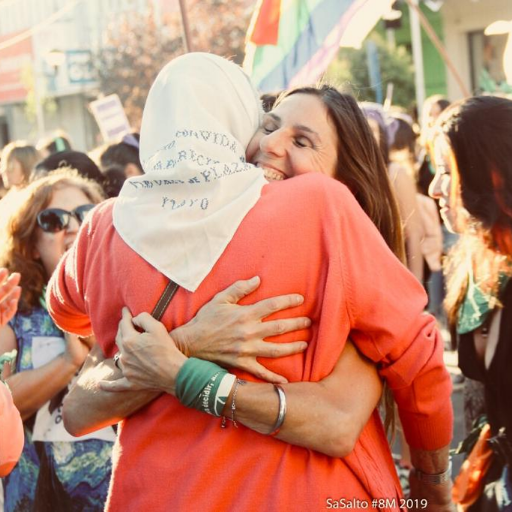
(35, 254)
(132, 170)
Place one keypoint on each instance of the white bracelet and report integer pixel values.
(282, 411)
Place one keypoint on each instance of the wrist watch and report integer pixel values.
(437, 479)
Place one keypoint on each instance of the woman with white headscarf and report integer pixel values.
(220, 221)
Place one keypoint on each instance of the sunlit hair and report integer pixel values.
(360, 165)
(478, 134)
(24, 153)
(19, 234)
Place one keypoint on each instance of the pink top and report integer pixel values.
(11, 432)
(306, 235)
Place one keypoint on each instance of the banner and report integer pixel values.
(291, 42)
(14, 61)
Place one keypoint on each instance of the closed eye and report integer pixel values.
(303, 142)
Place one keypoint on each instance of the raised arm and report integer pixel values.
(9, 295)
(31, 389)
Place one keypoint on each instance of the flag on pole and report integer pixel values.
(291, 42)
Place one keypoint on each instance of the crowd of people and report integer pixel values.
(262, 357)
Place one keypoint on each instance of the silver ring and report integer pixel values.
(116, 360)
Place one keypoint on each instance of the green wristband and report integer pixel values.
(197, 384)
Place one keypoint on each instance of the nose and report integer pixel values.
(434, 189)
(273, 143)
(73, 225)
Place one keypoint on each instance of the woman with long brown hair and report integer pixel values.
(473, 183)
(56, 471)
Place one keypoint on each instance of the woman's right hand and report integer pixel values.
(10, 293)
(233, 336)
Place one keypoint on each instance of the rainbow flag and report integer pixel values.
(291, 42)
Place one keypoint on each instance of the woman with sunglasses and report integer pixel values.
(56, 471)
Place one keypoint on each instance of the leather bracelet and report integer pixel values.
(436, 479)
(282, 411)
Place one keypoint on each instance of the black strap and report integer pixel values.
(164, 300)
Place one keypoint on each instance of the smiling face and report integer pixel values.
(295, 138)
(50, 247)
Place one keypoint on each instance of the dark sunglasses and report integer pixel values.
(53, 220)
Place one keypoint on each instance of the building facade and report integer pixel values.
(46, 65)
(481, 60)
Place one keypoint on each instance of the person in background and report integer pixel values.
(384, 130)
(123, 154)
(117, 162)
(403, 152)
(77, 160)
(113, 180)
(55, 143)
(17, 162)
(56, 470)
(432, 108)
(473, 184)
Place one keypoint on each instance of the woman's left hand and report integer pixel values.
(233, 336)
(148, 360)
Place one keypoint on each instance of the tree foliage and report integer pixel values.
(350, 69)
(137, 47)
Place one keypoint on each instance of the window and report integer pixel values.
(486, 58)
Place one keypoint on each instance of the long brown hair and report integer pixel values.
(478, 134)
(360, 164)
(19, 234)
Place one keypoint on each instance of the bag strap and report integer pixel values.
(165, 299)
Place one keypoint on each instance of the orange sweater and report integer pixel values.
(306, 235)
(11, 432)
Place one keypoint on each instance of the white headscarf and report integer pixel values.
(200, 114)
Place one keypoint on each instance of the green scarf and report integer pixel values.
(477, 304)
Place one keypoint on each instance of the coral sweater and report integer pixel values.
(11, 432)
(306, 235)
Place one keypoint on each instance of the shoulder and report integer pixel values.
(314, 187)
(101, 213)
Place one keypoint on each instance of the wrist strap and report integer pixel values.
(204, 386)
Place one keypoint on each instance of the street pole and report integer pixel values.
(427, 27)
(186, 28)
(38, 99)
(417, 53)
